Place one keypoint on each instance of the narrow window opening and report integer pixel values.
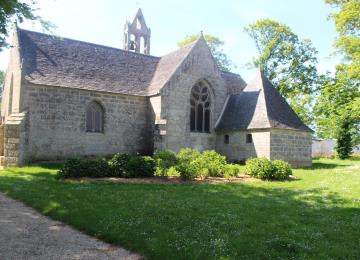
(200, 118)
(11, 95)
(249, 139)
(226, 139)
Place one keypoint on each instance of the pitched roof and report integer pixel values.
(56, 61)
(69, 63)
(234, 82)
(167, 66)
(259, 106)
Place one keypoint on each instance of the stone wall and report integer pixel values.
(291, 146)
(175, 101)
(57, 123)
(288, 145)
(11, 101)
(238, 150)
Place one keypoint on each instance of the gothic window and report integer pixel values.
(94, 118)
(200, 102)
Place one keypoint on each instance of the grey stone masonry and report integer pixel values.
(57, 123)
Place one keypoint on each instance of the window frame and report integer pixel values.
(200, 101)
(249, 138)
(94, 107)
(226, 139)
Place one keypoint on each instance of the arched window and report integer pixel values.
(94, 117)
(200, 101)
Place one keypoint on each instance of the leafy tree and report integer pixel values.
(338, 105)
(288, 62)
(15, 10)
(343, 137)
(347, 24)
(215, 45)
(336, 98)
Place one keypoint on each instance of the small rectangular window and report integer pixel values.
(226, 139)
(249, 139)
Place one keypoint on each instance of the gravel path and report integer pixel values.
(26, 234)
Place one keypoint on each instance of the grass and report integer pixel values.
(316, 216)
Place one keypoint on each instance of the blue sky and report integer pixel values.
(102, 22)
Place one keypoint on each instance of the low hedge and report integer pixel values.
(78, 167)
(120, 165)
(188, 163)
(263, 168)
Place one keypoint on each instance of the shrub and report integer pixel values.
(282, 170)
(77, 168)
(118, 164)
(172, 171)
(164, 159)
(262, 168)
(232, 170)
(192, 163)
(187, 167)
(212, 163)
(132, 165)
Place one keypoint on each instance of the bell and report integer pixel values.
(132, 45)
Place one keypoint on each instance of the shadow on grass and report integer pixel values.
(323, 165)
(198, 221)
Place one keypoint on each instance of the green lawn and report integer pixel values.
(316, 216)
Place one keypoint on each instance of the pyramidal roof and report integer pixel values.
(259, 106)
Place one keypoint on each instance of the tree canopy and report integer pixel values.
(288, 61)
(347, 24)
(216, 47)
(15, 10)
(337, 108)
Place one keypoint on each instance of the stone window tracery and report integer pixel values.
(200, 102)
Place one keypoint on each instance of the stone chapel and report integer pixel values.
(64, 98)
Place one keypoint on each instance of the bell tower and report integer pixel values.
(137, 35)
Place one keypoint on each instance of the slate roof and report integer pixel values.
(55, 61)
(69, 63)
(259, 106)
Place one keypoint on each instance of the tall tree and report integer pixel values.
(338, 105)
(288, 62)
(16, 10)
(216, 47)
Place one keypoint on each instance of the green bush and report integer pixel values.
(282, 170)
(232, 170)
(212, 163)
(118, 163)
(132, 165)
(77, 168)
(164, 159)
(193, 164)
(172, 171)
(187, 166)
(262, 168)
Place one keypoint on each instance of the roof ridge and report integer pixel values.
(261, 75)
(90, 43)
